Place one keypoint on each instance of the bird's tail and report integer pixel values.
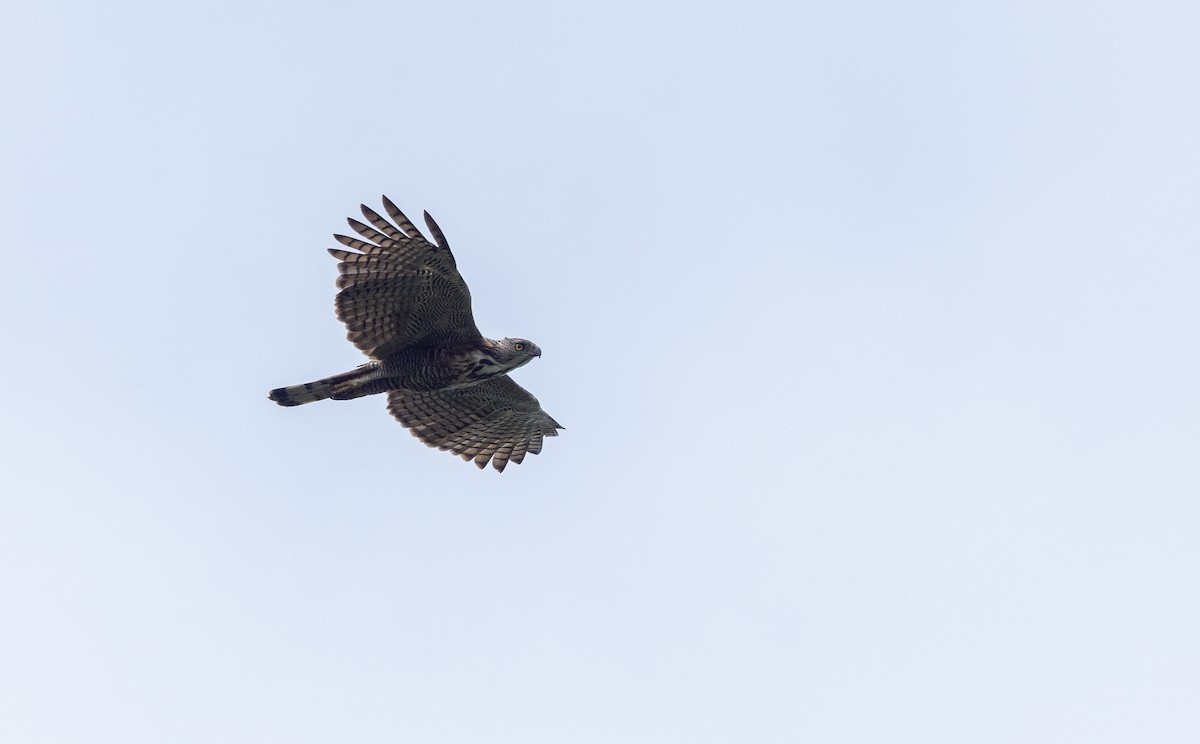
(353, 384)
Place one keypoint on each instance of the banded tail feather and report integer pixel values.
(353, 384)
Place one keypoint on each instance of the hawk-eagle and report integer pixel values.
(409, 310)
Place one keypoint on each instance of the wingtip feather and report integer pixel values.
(438, 236)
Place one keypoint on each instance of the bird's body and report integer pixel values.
(409, 310)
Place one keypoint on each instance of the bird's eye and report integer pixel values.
(519, 347)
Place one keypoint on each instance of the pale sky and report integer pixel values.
(873, 327)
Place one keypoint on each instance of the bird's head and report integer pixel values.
(513, 352)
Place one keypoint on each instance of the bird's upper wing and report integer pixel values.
(397, 288)
(496, 420)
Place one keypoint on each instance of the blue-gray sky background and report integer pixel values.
(873, 326)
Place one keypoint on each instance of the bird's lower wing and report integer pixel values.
(496, 420)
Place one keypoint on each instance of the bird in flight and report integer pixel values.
(408, 309)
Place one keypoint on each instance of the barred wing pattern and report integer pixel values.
(398, 289)
(496, 420)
